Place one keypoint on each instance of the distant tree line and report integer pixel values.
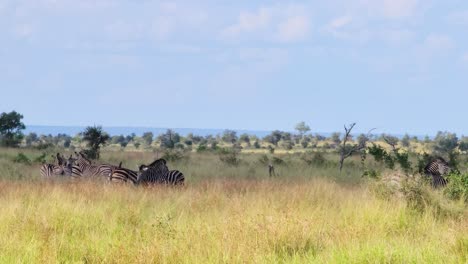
(93, 138)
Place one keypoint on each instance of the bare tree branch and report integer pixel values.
(348, 152)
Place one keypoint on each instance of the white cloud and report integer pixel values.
(249, 22)
(348, 28)
(387, 9)
(340, 22)
(284, 23)
(399, 8)
(293, 29)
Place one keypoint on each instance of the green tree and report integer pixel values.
(229, 136)
(169, 139)
(405, 141)
(274, 137)
(31, 138)
(445, 142)
(335, 137)
(10, 129)
(148, 138)
(245, 138)
(302, 128)
(94, 137)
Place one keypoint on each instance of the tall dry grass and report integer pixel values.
(228, 221)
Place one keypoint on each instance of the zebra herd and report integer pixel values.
(80, 166)
(158, 173)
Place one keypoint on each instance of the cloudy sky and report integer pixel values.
(396, 65)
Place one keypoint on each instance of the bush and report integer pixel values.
(313, 158)
(229, 156)
(278, 161)
(41, 158)
(21, 158)
(457, 187)
(422, 198)
(174, 155)
(264, 160)
(202, 148)
(371, 173)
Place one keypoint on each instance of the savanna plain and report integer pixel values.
(307, 213)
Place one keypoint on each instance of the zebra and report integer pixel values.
(158, 173)
(88, 169)
(50, 170)
(436, 169)
(72, 170)
(123, 175)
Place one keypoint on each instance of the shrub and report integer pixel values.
(229, 156)
(174, 155)
(21, 158)
(278, 161)
(371, 173)
(202, 148)
(264, 160)
(313, 158)
(41, 158)
(457, 187)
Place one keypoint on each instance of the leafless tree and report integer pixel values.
(347, 151)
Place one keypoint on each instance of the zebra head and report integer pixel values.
(81, 158)
(68, 165)
(60, 159)
(142, 174)
(443, 166)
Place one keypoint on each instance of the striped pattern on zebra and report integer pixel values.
(50, 170)
(72, 170)
(158, 173)
(90, 170)
(436, 169)
(123, 175)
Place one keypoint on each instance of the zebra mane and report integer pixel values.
(157, 162)
(441, 160)
(81, 155)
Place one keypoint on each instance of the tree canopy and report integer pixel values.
(95, 137)
(10, 129)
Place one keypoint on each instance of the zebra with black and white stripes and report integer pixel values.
(51, 170)
(72, 170)
(158, 173)
(123, 175)
(88, 169)
(436, 169)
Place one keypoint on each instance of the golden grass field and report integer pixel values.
(219, 217)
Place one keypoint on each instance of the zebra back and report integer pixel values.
(436, 169)
(123, 175)
(175, 177)
(88, 169)
(153, 173)
(51, 170)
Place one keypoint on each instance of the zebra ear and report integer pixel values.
(164, 161)
(59, 158)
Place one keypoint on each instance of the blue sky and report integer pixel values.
(395, 65)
